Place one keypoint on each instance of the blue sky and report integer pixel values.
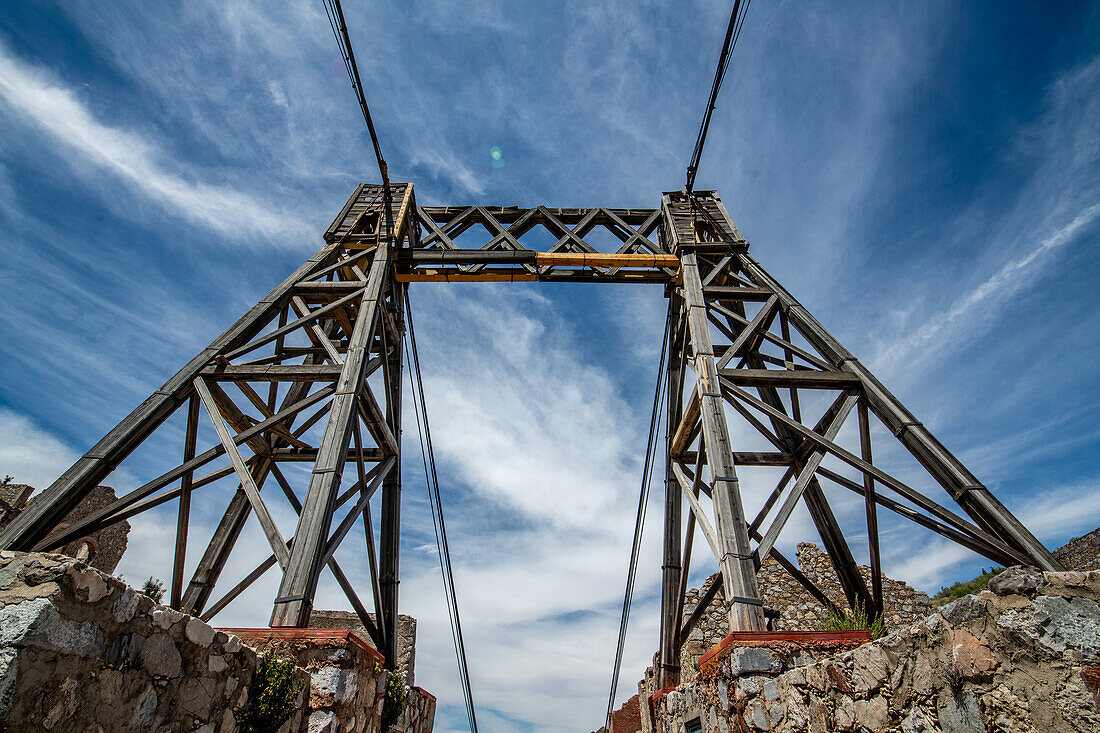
(924, 177)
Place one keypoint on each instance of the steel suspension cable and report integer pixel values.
(343, 40)
(639, 522)
(420, 408)
(733, 32)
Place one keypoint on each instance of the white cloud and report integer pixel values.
(1010, 278)
(57, 111)
(1058, 512)
(30, 454)
(540, 458)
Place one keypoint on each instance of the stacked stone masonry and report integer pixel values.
(797, 610)
(347, 684)
(1081, 553)
(628, 718)
(1023, 655)
(81, 651)
(406, 636)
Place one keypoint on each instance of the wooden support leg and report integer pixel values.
(43, 515)
(295, 601)
(872, 514)
(390, 539)
(671, 593)
(184, 514)
(948, 470)
(738, 569)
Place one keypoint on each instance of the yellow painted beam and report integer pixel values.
(436, 276)
(585, 259)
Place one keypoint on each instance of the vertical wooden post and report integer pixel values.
(671, 570)
(738, 570)
(390, 540)
(184, 515)
(872, 512)
(295, 600)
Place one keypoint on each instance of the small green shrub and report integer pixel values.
(394, 704)
(272, 696)
(966, 587)
(154, 589)
(855, 620)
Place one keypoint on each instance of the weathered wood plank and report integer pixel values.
(746, 612)
(248, 483)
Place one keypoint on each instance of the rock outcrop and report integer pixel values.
(1022, 655)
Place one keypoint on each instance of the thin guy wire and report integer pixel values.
(438, 524)
(733, 33)
(639, 522)
(343, 40)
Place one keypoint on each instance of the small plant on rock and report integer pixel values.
(394, 704)
(272, 698)
(854, 620)
(154, 589)
(958, 590)
(7, 480)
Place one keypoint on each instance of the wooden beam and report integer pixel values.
(760, 321)
(588, 259)
(682, 437)
(948, 471)
(805, 474)
(746, 611)
(184, 514)
(79, 529)
(248, 483)
(688, 487)
(872, 513)
(780, 378)
(43, 515)
(881, 476)
(454, 276)
(295, 601)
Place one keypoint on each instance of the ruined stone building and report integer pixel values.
(102, 550)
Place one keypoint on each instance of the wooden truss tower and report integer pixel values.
(312, 373)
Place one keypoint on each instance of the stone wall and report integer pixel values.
(418, 715)
(347, 682)
(796, 609)
(1023, 655)
(406, 636)
(102, 549)
(1082, 553)
(80, 651)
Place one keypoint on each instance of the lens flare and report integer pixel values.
(497, 157)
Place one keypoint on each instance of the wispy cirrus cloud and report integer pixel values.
(56, 110)
(1013, 276)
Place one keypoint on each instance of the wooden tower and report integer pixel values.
(312, 373)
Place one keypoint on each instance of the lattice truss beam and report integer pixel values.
(744, 352)
(311, 377)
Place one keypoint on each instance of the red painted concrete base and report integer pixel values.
(656, 698)
(786, 640)
(328, 636)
